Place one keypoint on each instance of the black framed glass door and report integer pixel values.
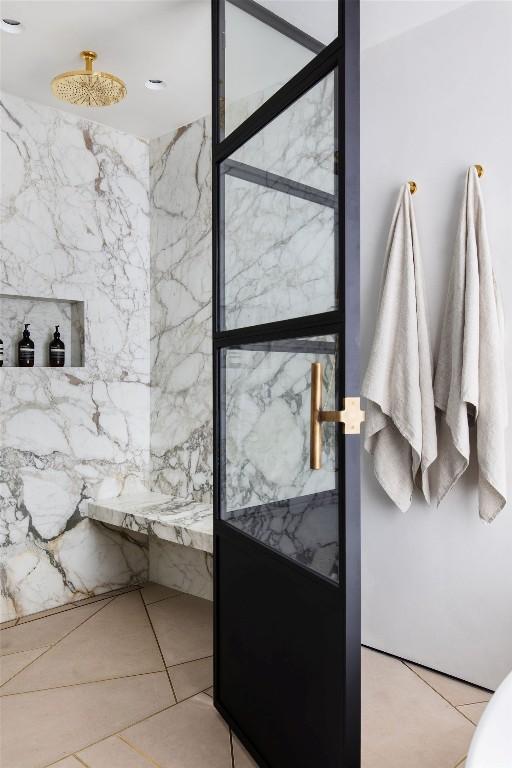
(286, 324)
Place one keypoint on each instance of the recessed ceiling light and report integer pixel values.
(155, 85)
(13, 26)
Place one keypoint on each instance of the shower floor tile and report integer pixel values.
(45, 726)
(184, 628)
(405, 722)
(190, 735)
(45, 631)
(116, 641)
(191, 678)
(13, 663)
(113, 752)
(454, 691)
(125, 682)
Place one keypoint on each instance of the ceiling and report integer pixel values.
(170, 40)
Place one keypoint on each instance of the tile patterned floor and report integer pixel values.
(124, 681)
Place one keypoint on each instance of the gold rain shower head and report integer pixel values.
(87, 88)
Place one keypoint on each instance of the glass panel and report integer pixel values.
(270, 491)
(279, 244)
(300, 143)
(259, 58)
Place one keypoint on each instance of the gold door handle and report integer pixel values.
(351, 416)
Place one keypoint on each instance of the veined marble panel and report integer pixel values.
(299, 143)
(75, 225)
(181, 360)
(189, 570)
(279, 255)
(189, 523)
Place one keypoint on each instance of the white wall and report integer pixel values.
(437, 583)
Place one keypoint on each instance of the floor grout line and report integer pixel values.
(25, 650)
(11, 622)
(439, 694)
(110, 735)
(138, 751)
(193, 695)
(76, 685)
(160, 599)
(189, 661)
(231, 748)
(77, 604)
(457, 765)
(43, 650)
(103, 680)
(72, 755)
(80, 760)
(160, 649)
(53, 645)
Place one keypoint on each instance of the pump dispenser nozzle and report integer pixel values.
(26, 350)
(57, 350)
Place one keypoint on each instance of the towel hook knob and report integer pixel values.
(413, 187)
(479, 170)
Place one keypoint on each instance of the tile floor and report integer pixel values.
(124, 681)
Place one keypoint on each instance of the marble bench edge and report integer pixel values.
(176, 531)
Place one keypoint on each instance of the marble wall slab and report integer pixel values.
(279, 255)
(299, 143)
(75, 225)
(173, 565)
(181, 294)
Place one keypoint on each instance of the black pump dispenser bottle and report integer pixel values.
(26, 350)
(57, 350)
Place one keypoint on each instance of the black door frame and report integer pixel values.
(342, 54)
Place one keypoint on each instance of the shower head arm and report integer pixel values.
(88, 57)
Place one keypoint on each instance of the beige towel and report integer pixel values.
(470, 377)
(400, 428)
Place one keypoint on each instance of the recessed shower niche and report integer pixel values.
(42, 315)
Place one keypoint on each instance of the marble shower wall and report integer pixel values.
(181, 294)
(272, 242)
(94, 215)
(75, 226)
(279, 263)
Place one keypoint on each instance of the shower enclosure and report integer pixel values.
(286, 316)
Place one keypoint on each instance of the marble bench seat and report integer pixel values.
(179, 531)
(185, 522)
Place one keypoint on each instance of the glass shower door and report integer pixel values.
(286, 414)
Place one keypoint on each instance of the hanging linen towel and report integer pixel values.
(400, 427)
(469, 384)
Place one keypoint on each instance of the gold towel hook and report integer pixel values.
(413, 187)
(479, 170)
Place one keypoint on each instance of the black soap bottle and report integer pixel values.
(26, 350)
(1, 353)
(57, 350)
